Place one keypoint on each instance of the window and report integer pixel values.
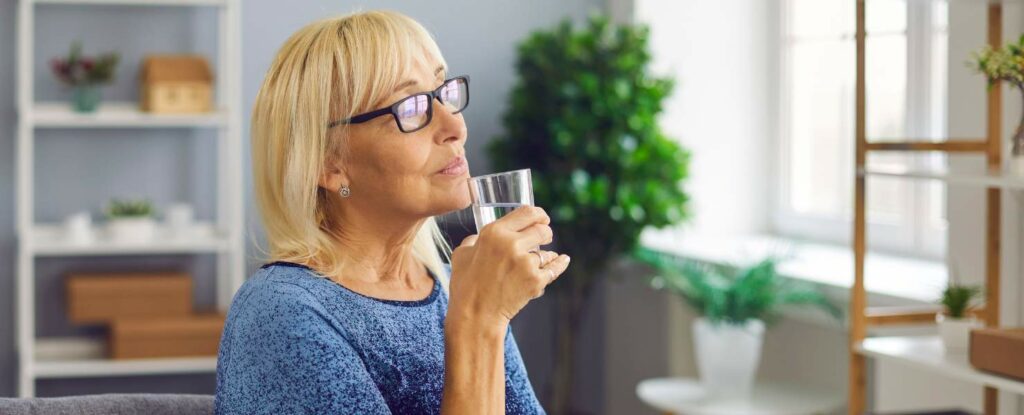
(906, 98)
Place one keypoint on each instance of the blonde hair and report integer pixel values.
(332, 68)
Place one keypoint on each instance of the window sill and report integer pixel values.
(889, 279)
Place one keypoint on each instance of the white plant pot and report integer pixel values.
(131, 229)
(728, 356)
(956, 332)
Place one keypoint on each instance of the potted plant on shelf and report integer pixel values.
(85, 75)
(1006, 64)
(735, 304)
(130, 220)
(954, 323)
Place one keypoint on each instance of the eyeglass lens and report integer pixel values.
(414, 112)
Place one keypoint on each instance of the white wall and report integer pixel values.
(719, 57)
(719, 54)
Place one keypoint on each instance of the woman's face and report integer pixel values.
(418, 174)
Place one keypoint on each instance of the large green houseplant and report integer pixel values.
(583, 117)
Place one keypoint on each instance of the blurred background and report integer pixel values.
(698, 155)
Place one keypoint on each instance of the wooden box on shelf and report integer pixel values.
(100, 298)
(998, 350)
(176, 84)
(185, 336)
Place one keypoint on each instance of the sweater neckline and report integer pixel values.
(434, 292)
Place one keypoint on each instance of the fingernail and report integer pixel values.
(567, 259)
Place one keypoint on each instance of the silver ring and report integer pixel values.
(540, 256)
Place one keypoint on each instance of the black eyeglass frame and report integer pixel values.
(393, 108)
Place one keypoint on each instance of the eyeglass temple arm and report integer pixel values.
(361, 118)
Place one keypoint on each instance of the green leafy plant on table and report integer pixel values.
(735, 304)
(730, 294)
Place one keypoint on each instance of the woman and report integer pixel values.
(355, 312)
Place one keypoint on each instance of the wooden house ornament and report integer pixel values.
(176, 84)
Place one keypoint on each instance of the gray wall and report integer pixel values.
(75, 169)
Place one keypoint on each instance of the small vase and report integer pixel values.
(78, 228)
(1017, 150)
(85, 98)
(728, 356)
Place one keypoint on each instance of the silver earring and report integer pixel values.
(345, 191)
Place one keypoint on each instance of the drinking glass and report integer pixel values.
(495, 195)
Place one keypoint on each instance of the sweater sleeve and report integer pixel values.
(519, 395)
(281, 352)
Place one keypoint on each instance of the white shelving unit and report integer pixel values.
(927, 353)
(119, 114)
(48, 241)
(41, 358)
(79, 357)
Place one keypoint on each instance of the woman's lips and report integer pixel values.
(456, 168)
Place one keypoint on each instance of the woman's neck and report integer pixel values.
(378, 250)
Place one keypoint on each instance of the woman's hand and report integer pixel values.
(494, 274)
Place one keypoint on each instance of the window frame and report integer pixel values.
(919, 235)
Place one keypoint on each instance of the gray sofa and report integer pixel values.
(110, 404)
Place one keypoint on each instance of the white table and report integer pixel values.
(685, 396)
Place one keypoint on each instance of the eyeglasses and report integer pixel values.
(415, 112)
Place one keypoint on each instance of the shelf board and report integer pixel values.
(83, 357)
(48, 240)
(219, 3)
(991, 179)
(927, 353)
(118, 115)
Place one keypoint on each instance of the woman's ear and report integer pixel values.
(333, 176)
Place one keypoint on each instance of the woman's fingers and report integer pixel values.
(544, 257)
(556, 267)
(532, 237)
(522, 217)
(551, 271)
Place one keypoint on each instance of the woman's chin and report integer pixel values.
(460, 200)
(451, 201)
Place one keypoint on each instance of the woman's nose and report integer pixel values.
(451, 127)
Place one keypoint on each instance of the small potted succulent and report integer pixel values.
(735, 304)
(84, 75)
(130, 220)
(954, 322)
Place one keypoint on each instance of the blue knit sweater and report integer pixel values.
(297, 343)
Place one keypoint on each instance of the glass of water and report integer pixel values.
(496, 195)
